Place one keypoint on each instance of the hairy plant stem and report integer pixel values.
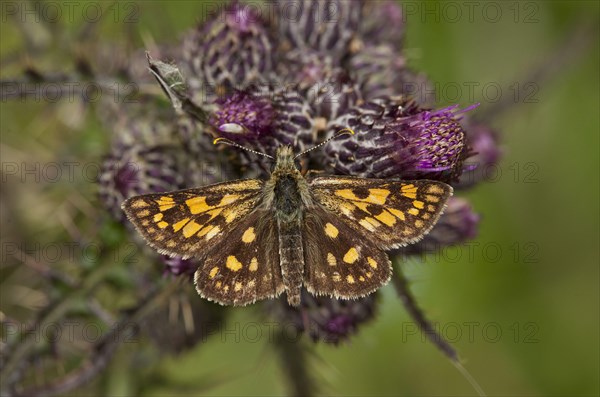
(54, 312)
(102, 352)
(401, 285)
(294, 360)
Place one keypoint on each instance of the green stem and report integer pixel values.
(401, 285)
(295, 365)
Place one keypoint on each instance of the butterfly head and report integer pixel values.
(285, 160)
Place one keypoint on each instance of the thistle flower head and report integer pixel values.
(130, 171)
(231, 51)
(383, 22)
(263, 119)
(439, 140)
(395, 138)
(324, 26)
(330, 90)
(326, 319)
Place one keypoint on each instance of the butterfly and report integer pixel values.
(256, 239)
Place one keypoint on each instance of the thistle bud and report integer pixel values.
(231, 51)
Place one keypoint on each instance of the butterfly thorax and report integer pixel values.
(287, 190)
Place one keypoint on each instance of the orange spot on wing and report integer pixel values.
(397, 213)
(347, 194)
(331, 259)
(249, 235)
(165, 203)
(253, 265)
(351, 256)
(177, 226)
(190, 229)
(197, 205)
(331, 230)
(228, 199)
(233, 264)
(409, 191)
(372, 263)
(377, 196)
(386, 217)
(435, 189)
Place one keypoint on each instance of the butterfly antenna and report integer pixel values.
(345, 131)
(231, 143)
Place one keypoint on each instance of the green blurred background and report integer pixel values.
(521, 305)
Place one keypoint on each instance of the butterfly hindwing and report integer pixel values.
(392, 213)
(193, 222)
(246, 267)
(338, 262)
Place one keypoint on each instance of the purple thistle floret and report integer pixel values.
(178, 266)
(439, 140)
(244, 19)
(253, 114)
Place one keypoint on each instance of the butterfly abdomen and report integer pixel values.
(291, 258)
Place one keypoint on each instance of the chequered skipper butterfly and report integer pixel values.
(257, 239)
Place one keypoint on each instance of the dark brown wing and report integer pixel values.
(193, 222)
(339, 261)
(245, 267)
(392, 213)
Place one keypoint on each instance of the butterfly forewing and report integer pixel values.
(339, 262)
(391, 213)
(246, 266)
(193, 222)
